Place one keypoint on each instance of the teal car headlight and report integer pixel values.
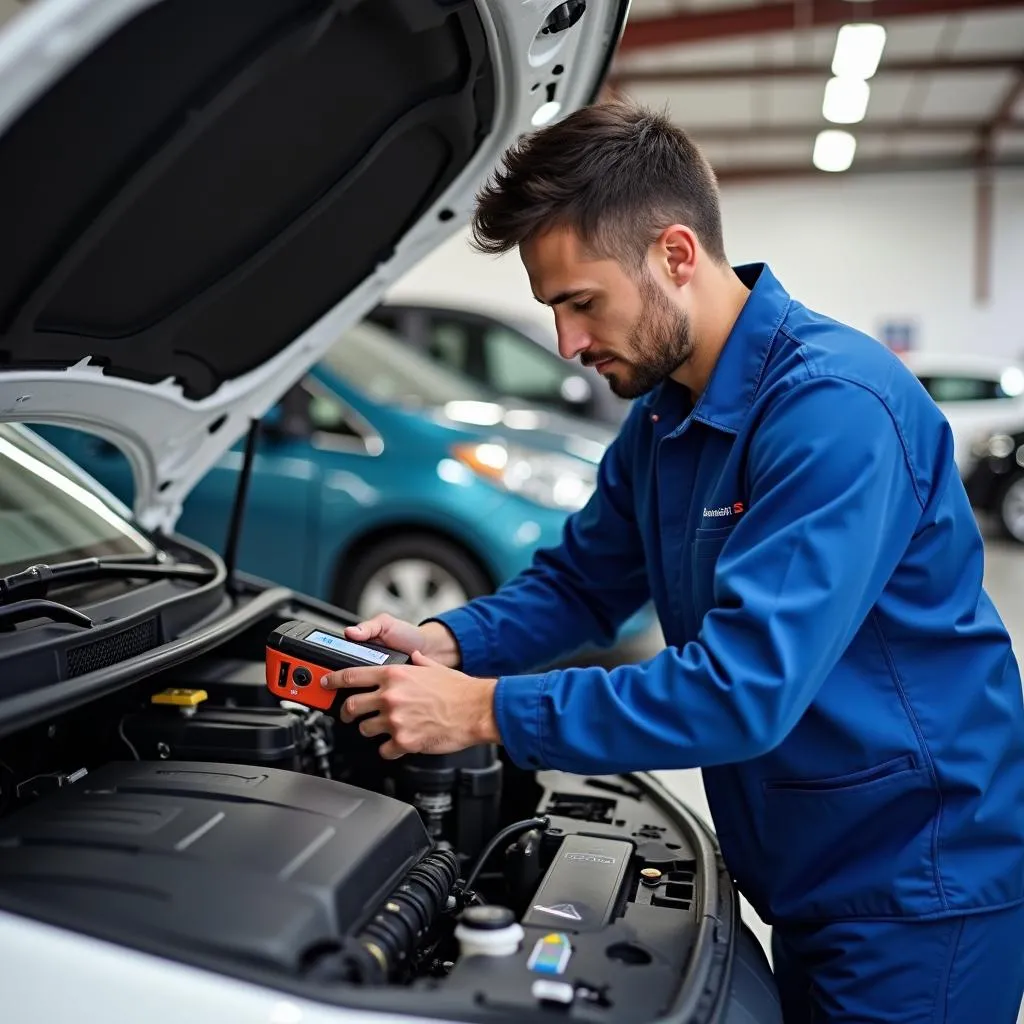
(551, 479)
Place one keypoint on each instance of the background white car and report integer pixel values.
(978, 394)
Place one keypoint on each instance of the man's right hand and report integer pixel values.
(432, 639)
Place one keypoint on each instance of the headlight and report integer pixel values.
(546, 478)
(1012, 382)
(1000, 445)
(994, 446)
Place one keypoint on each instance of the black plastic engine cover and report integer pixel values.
(258, 863)
(268, 737)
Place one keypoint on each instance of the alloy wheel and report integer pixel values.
(411, 589)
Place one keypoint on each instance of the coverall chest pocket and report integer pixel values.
(707, 546)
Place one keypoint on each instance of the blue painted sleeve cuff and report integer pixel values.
(518, 712)
(474, 648)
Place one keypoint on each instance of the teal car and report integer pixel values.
(383, 481)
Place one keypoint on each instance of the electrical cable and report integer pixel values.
(32, 778)
(127, 742)
(516, 828)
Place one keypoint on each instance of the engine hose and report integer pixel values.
(395, 931)
(319, 726)
(514, 829)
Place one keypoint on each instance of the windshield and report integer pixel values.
(48, 516)
(389, 370)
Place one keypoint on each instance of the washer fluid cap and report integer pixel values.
(488, 931)
(488, 918)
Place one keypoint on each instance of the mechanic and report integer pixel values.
(784, 491)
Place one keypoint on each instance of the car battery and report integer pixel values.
(266, 737)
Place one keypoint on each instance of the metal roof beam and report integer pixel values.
(1001, 119)
(808, 129)
(761, 173)
(673, 76)
(785, 16)
(1003, 116)
(985, 160)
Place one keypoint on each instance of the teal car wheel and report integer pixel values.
(412, 577)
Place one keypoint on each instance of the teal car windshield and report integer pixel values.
(47, 515)
(392, 372)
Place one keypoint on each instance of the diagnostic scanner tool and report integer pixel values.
(299, 654)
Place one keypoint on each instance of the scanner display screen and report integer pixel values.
(336, 643)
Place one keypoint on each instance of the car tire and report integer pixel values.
(413, 577)
(1010, 508)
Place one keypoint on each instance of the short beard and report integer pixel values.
(658, 344)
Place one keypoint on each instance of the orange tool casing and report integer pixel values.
(281, 681)
(300, 653)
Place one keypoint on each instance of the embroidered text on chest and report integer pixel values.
(724, 511)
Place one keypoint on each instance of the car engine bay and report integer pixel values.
(195, 816)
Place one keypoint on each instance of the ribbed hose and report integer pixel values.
(396, 930)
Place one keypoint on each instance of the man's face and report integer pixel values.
(629, 329)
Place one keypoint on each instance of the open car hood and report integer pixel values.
(197, 198)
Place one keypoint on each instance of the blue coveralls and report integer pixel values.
(832, 663)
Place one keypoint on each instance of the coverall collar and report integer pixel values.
(737, 374)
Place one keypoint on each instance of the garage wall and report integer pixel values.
(907, 242)
(908, 246)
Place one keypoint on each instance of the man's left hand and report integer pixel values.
(425, 707)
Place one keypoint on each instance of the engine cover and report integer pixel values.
(258, 863)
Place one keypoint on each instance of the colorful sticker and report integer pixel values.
(550, 954)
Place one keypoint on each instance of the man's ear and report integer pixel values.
(676, 251)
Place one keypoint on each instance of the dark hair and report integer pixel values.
(615, 173)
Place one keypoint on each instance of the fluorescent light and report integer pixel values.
(858, 51)
(846, 100)
(833, 150)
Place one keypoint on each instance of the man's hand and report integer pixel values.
(425, 707)
(434, 640)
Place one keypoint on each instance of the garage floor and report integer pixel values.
(1004, 578)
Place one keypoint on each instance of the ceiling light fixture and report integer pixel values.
(858, 51)
(846, 100)
(834, 150)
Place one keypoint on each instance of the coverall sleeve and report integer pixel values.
(580, 591)
(832, 506)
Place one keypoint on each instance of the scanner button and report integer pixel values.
(302, 676)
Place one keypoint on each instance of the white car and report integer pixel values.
(979, 395)
(198, 198)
